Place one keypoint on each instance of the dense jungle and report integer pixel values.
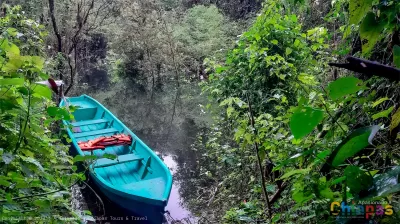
(266, 111)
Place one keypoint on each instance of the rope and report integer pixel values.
(65, 99)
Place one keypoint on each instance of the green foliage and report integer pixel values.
(370, 32)
(356, 179)
(381, 100)
(272, 96)
(59, 113)
(257, 53)
(356, 141)
(343, 87)
(246, 212)
(384, 113)
(202, 31)
(357, 9)
(395, 120)
(29, 150)
(377, 19)
(24, 32)
(396, 55)
(304, 120)
(327, 139)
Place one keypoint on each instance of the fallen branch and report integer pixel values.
(98, 197)
(369, 68)
(212, 197)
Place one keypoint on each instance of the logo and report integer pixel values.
(362, 210)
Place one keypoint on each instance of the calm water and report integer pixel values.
(175, 205)
(152, 123)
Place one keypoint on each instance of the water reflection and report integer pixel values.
(176, 207)
(172, 137)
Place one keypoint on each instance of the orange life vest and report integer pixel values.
(102, 142)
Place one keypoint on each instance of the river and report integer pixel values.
(171, 139)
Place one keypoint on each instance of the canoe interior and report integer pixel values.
(137, 172)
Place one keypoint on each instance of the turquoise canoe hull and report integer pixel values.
(137, 180)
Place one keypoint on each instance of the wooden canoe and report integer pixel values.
(137, 180)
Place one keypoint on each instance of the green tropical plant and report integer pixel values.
(36, 171)
(318, 141)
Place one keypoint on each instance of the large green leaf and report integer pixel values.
(304, 120)
(356, 141)
(109, 156)
(357, 10)
(384, 113)
(59, 113)
(292, 159)
(396, 55)
(387, 183)
(357, 180)
(42, 90)
(80, 158)
(307, 79)
(395, 120)
(13, 50)
(294, 172)
(4, 182)
(343, 87)
(12, 31)
(301, 197)
(381, 100)
(7, 105)
(338, 180)
(33, 161)
(276, 218)
(38, 62)
(42, 203)
(12, 81)
(370, 31)
(288, 51)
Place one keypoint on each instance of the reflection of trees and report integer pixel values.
(194, 184)
(150, 121)
(212, 175)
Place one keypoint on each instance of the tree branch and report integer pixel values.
(80, 26)
(38, 195)
(277, 195)
(59, 44)
(72, 74)
(259, 162)
(369, 68)
(55, 28)
(22, 130)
